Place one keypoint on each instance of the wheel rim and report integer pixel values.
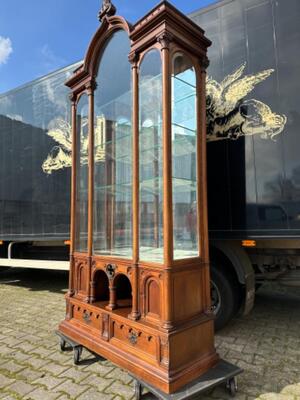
(215, 295)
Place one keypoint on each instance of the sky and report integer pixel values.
(41, 36)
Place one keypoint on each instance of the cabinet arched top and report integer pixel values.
(88, 70)
(109, 26)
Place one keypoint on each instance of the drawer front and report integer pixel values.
(89, 317)
(133, 340)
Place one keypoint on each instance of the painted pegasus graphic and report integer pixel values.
(230, 115)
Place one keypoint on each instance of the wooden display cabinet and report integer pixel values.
(139, 289)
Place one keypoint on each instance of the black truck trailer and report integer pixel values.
(253, 117)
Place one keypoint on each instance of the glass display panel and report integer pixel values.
(113, 151)
(151, 164)
(81, 225)
(184, 158)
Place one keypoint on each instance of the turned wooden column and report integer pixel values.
(165, 40)
(90, 91)
(135, 313)
(71, 290)
(112, 305)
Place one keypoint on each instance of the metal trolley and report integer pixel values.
(224, 373)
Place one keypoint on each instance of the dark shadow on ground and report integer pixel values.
(35, 279)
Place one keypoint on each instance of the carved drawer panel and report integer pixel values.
(133, 339)
(87, 316)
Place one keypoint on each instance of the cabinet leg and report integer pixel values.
(77, 354)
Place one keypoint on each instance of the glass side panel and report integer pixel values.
(151, 165)
(113, 151)
(81, 222)
(184, 158)
(35, 160)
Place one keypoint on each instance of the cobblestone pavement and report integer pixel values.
(266, 344)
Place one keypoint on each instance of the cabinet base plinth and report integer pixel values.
(141, 350)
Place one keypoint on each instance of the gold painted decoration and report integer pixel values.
(60, 156)
(230, 115)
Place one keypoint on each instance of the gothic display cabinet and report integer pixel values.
(139, 289)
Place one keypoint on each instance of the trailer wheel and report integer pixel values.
(224, 296)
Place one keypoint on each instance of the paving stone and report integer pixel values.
(41, 394)
(75, 374)
(7, 397)
(21, 388)
(49, 381)
(11, 366)
(92, 394)
(100, 368)
(54, 368)
(120, 375)
(35, 362)
(29, 375)
(5, 381)
(72, 389)
(118, 388)
(26, 347)
(100, 383)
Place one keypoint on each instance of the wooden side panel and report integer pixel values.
(191, 345)
(187, 294)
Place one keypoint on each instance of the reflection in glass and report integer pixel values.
(34, 199)
(151, 165)
(113, 151)
(184, 160)
(81, 227)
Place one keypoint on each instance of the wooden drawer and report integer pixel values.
(87, 316)
(133, 340)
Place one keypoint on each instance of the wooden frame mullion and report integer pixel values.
(202, 181)
(73, 194)
(167, 151)
(90, 92)
(135, 314)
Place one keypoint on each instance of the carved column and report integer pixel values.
(112, 305)
(111, 272)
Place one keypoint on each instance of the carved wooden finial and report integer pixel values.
(107, 9)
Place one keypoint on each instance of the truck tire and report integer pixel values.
(224, 296)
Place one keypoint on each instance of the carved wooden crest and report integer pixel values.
(107, 9)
